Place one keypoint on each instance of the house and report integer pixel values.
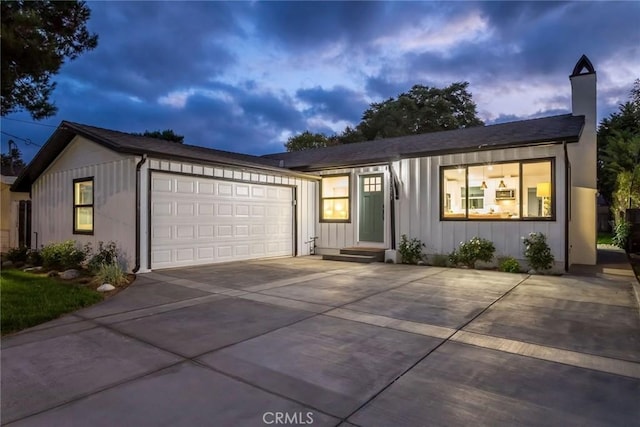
(15, 213)
(171, 205)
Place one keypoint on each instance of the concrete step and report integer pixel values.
(350, 258)
(375, 252)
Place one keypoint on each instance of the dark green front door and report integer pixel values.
(371, 219)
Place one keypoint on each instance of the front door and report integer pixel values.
(371, 220)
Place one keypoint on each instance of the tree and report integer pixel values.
(12, 163)
(619, 144)
(423, 109)
(307, 140)
(167, 135)
(37, 38)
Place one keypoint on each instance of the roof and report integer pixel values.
(127, 143)
(547, 130)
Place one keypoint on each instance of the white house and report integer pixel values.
(169, 204)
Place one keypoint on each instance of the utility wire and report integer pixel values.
(25, 140)
(29, 123)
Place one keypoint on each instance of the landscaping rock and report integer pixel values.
(7, 264)
(33, 269)
(70, 274)
(53, 274)
(532, 271)
(106, 287)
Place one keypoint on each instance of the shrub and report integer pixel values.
(107, 254)
(34, 257)
(16, 255)
(476, 249)
(439, 260)
(111, 273)
(621, 233)
(537, 252)
(410, 250)
(509, 265)
(62, 255)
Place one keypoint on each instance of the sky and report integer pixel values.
(245, 76)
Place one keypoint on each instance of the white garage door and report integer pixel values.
(198, 220)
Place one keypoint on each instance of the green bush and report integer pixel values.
(537, 252)
(111, 273)
(107, 254)
(410, 250)
(16, 255)
(621, 233)
(34, 257)
(509, 265)
(439, 260)
(476, 249)
(62, 256)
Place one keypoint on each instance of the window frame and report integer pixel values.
(348, 197)
(466, 166)
(84, 205)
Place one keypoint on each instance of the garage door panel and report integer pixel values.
(204, 220)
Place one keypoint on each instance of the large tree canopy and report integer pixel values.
(167, 135)
(619, 144)
(423, 109)
(37, 37)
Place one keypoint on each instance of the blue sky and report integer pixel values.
(244, 76)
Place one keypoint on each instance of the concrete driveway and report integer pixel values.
(304, 341)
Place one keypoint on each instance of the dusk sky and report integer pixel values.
(245, 76)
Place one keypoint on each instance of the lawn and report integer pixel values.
(29, 299)
(604, 238)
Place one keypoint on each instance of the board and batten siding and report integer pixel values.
(114, 180)
(305, 196)
(333, 236)
(418, 209)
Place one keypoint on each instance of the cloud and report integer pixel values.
(339, 103)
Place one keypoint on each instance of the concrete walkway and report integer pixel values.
(328, 343)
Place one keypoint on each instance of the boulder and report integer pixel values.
(7, 264)
(106, 287)
(70, 274)
(33, 269)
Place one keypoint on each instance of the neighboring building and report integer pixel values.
(170, 205)
(15, 215)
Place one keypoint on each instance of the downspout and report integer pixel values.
(567, 206)
(394, 196)
(138, 167)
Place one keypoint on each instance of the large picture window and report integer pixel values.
(335, 199)
(83, 206)
(522, 190)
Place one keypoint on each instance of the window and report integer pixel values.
(83, 206)
(499, 191)
(335, 199)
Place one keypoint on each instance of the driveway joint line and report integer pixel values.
(444, 341)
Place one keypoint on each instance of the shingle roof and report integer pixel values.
(555, 129)
(137, 145)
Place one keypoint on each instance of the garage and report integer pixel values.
(198, 220)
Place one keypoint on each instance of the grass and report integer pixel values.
(28, 299)
(604, 238)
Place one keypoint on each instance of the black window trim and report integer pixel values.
(91, 205)
(349, 196)
(466, 167)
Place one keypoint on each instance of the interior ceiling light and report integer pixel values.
(502, 185)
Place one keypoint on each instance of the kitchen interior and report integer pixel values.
(494, 191)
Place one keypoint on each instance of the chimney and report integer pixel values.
(583, 103)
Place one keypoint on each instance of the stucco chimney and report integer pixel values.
(583, 158)
(583, 103)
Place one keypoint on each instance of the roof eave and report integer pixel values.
(432, 153)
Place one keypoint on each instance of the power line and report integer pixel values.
(25, 140)
(29, 123)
